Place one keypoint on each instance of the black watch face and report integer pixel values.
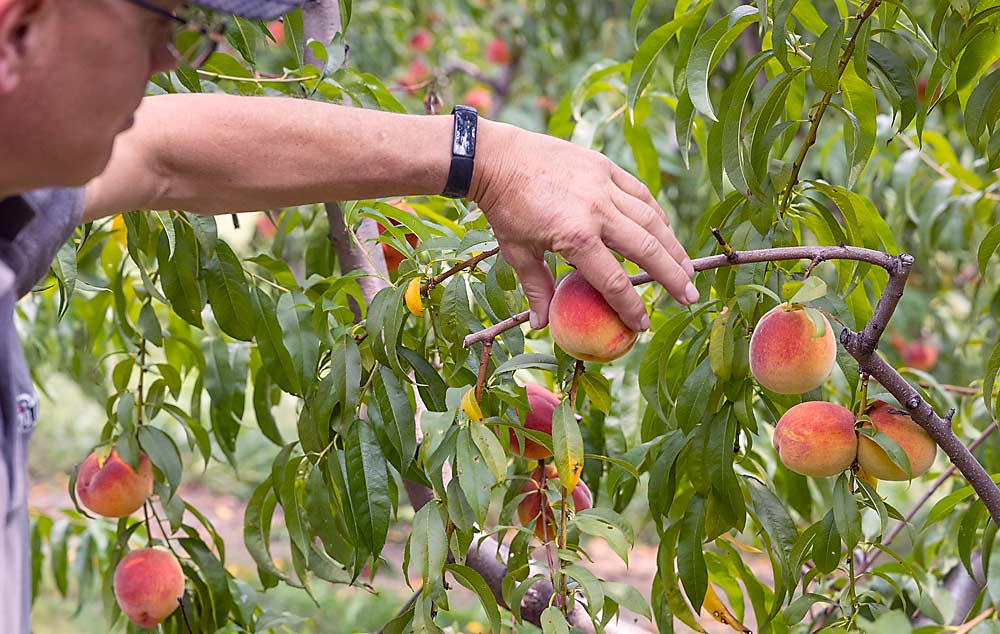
(464, 143)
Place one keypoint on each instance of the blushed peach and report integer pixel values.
(114, 489)
(535, 506)
(916, 443)
(786, 356)
(585, 325)
(147, 584)
(541, 404)
(816, 438)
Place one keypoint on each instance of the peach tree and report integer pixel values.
(818, 159)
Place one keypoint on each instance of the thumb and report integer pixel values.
(536, 280)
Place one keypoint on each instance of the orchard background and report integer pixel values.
(278, 382)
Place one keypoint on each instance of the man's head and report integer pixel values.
(72, 72)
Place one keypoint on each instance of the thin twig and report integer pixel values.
(942, 170)
(187, 624)
(461, 266)
(484, 365)
(824, 103)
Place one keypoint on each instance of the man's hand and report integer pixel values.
(545, 194)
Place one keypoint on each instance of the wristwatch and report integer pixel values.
(463, 152)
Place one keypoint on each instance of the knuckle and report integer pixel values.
(575, 238)
(617, 284)
(649, 247)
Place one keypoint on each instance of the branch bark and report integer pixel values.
(861, 345)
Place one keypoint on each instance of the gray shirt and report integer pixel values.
(32, 228)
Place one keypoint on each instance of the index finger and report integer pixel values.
(605, 274)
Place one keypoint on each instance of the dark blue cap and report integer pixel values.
(253, 9)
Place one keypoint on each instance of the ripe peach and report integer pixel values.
(816, 438)
(421, 40)
(416, 73)
(786, 356)
(532, 506)
(479, 98)
(497, 51)
(584, 324)
(114, 489)
(277, 30)
(541, 404)
(393, 257)
(918, 355)
(147, 584)
(919, 447)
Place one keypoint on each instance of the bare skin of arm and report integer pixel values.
(212, 154)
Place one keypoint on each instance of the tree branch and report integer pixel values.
(860, 345)
(824, 103)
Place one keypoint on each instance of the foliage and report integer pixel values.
(782, 123)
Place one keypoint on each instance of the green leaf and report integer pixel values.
(990, 376)
(180, 274)
(773, 516)
(490, 449)
(149, 324)
(891, 448)
(474, 475)
(294, 313)
(826, 58)
(690, 552)
(390, 410)
(644, 62)
(270, 343)
(553, 621)
(474, 581)
(988, 247)
(368, 487)
(429, 383)
(163, 453)
(257, 532)
(567, 445)
(626, 595)
(428, 544)
(812, 289)
(528, 360)
(826, 549)
(609, 526)
(846, 513)
(591, 586)
(598, 390)
(900, 78)
(228, 293)
(721, 346)
(983, 107)
(708, 51)
(859, 100)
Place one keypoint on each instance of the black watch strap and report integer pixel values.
(463, 152)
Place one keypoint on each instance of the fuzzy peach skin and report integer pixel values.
(147, 584)
(916, 443)
(816, 438)
(541, 404)
(531, 507)
(785, 355)
(585, 325)
(114, 489)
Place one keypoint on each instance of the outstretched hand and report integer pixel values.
(543, 194)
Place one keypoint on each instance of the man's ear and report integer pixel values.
(17, 19)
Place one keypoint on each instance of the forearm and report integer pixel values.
(221, 153)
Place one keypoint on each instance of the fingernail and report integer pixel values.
(691, 293)
(644, 324)
(688, 268)
(534, 320)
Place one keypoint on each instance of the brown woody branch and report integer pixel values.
(861, 345)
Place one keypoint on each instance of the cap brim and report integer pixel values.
(253, 9)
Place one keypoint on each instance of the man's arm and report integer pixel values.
(219, 154)
(214, 154)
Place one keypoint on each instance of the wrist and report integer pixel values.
(491, 141)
